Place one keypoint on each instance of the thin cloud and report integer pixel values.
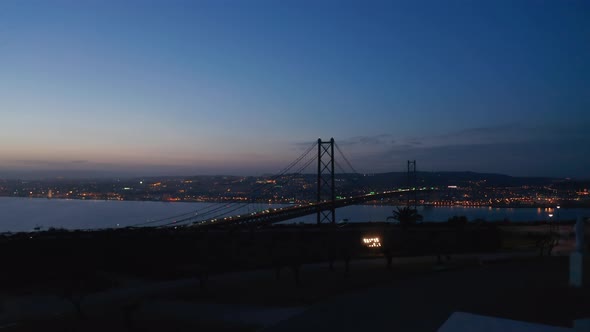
(381, 139)
(511, 149)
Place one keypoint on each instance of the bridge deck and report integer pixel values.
(281, 214)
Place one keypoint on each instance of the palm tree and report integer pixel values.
(406, 215)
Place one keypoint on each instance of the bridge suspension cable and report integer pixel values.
(149, 222)
(236, 204)
(345, 159)
(355, 180)
(231, 209)
(219, 210)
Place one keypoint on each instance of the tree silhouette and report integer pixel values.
(458, 221)
(406, 216)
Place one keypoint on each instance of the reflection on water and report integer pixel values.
(24, 214)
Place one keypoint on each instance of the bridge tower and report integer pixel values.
(326, 187)
(412, 184)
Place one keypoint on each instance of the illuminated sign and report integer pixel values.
(372, 242)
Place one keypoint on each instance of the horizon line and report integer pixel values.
(130, 177)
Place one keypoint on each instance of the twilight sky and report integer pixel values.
(118, 87)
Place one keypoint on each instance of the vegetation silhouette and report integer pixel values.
(406, 216)
(458, 221)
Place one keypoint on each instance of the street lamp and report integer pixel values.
(550, 222)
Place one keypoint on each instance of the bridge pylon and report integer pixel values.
(412, 185)
(326, 187)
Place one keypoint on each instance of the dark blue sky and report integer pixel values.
(237, 87)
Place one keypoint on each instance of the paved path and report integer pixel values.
(227, 315)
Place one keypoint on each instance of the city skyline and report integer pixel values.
(241, 88)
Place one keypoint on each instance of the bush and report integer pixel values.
(458, 221)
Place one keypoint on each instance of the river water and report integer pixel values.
(25, 214)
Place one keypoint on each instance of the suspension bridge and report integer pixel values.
(323, 154)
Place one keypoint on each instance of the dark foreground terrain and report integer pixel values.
(319, 277)
(35, 261)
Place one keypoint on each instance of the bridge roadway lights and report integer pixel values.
(294, 212)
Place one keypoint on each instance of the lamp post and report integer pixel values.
(576, 257)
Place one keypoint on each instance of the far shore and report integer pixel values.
(371, 203)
